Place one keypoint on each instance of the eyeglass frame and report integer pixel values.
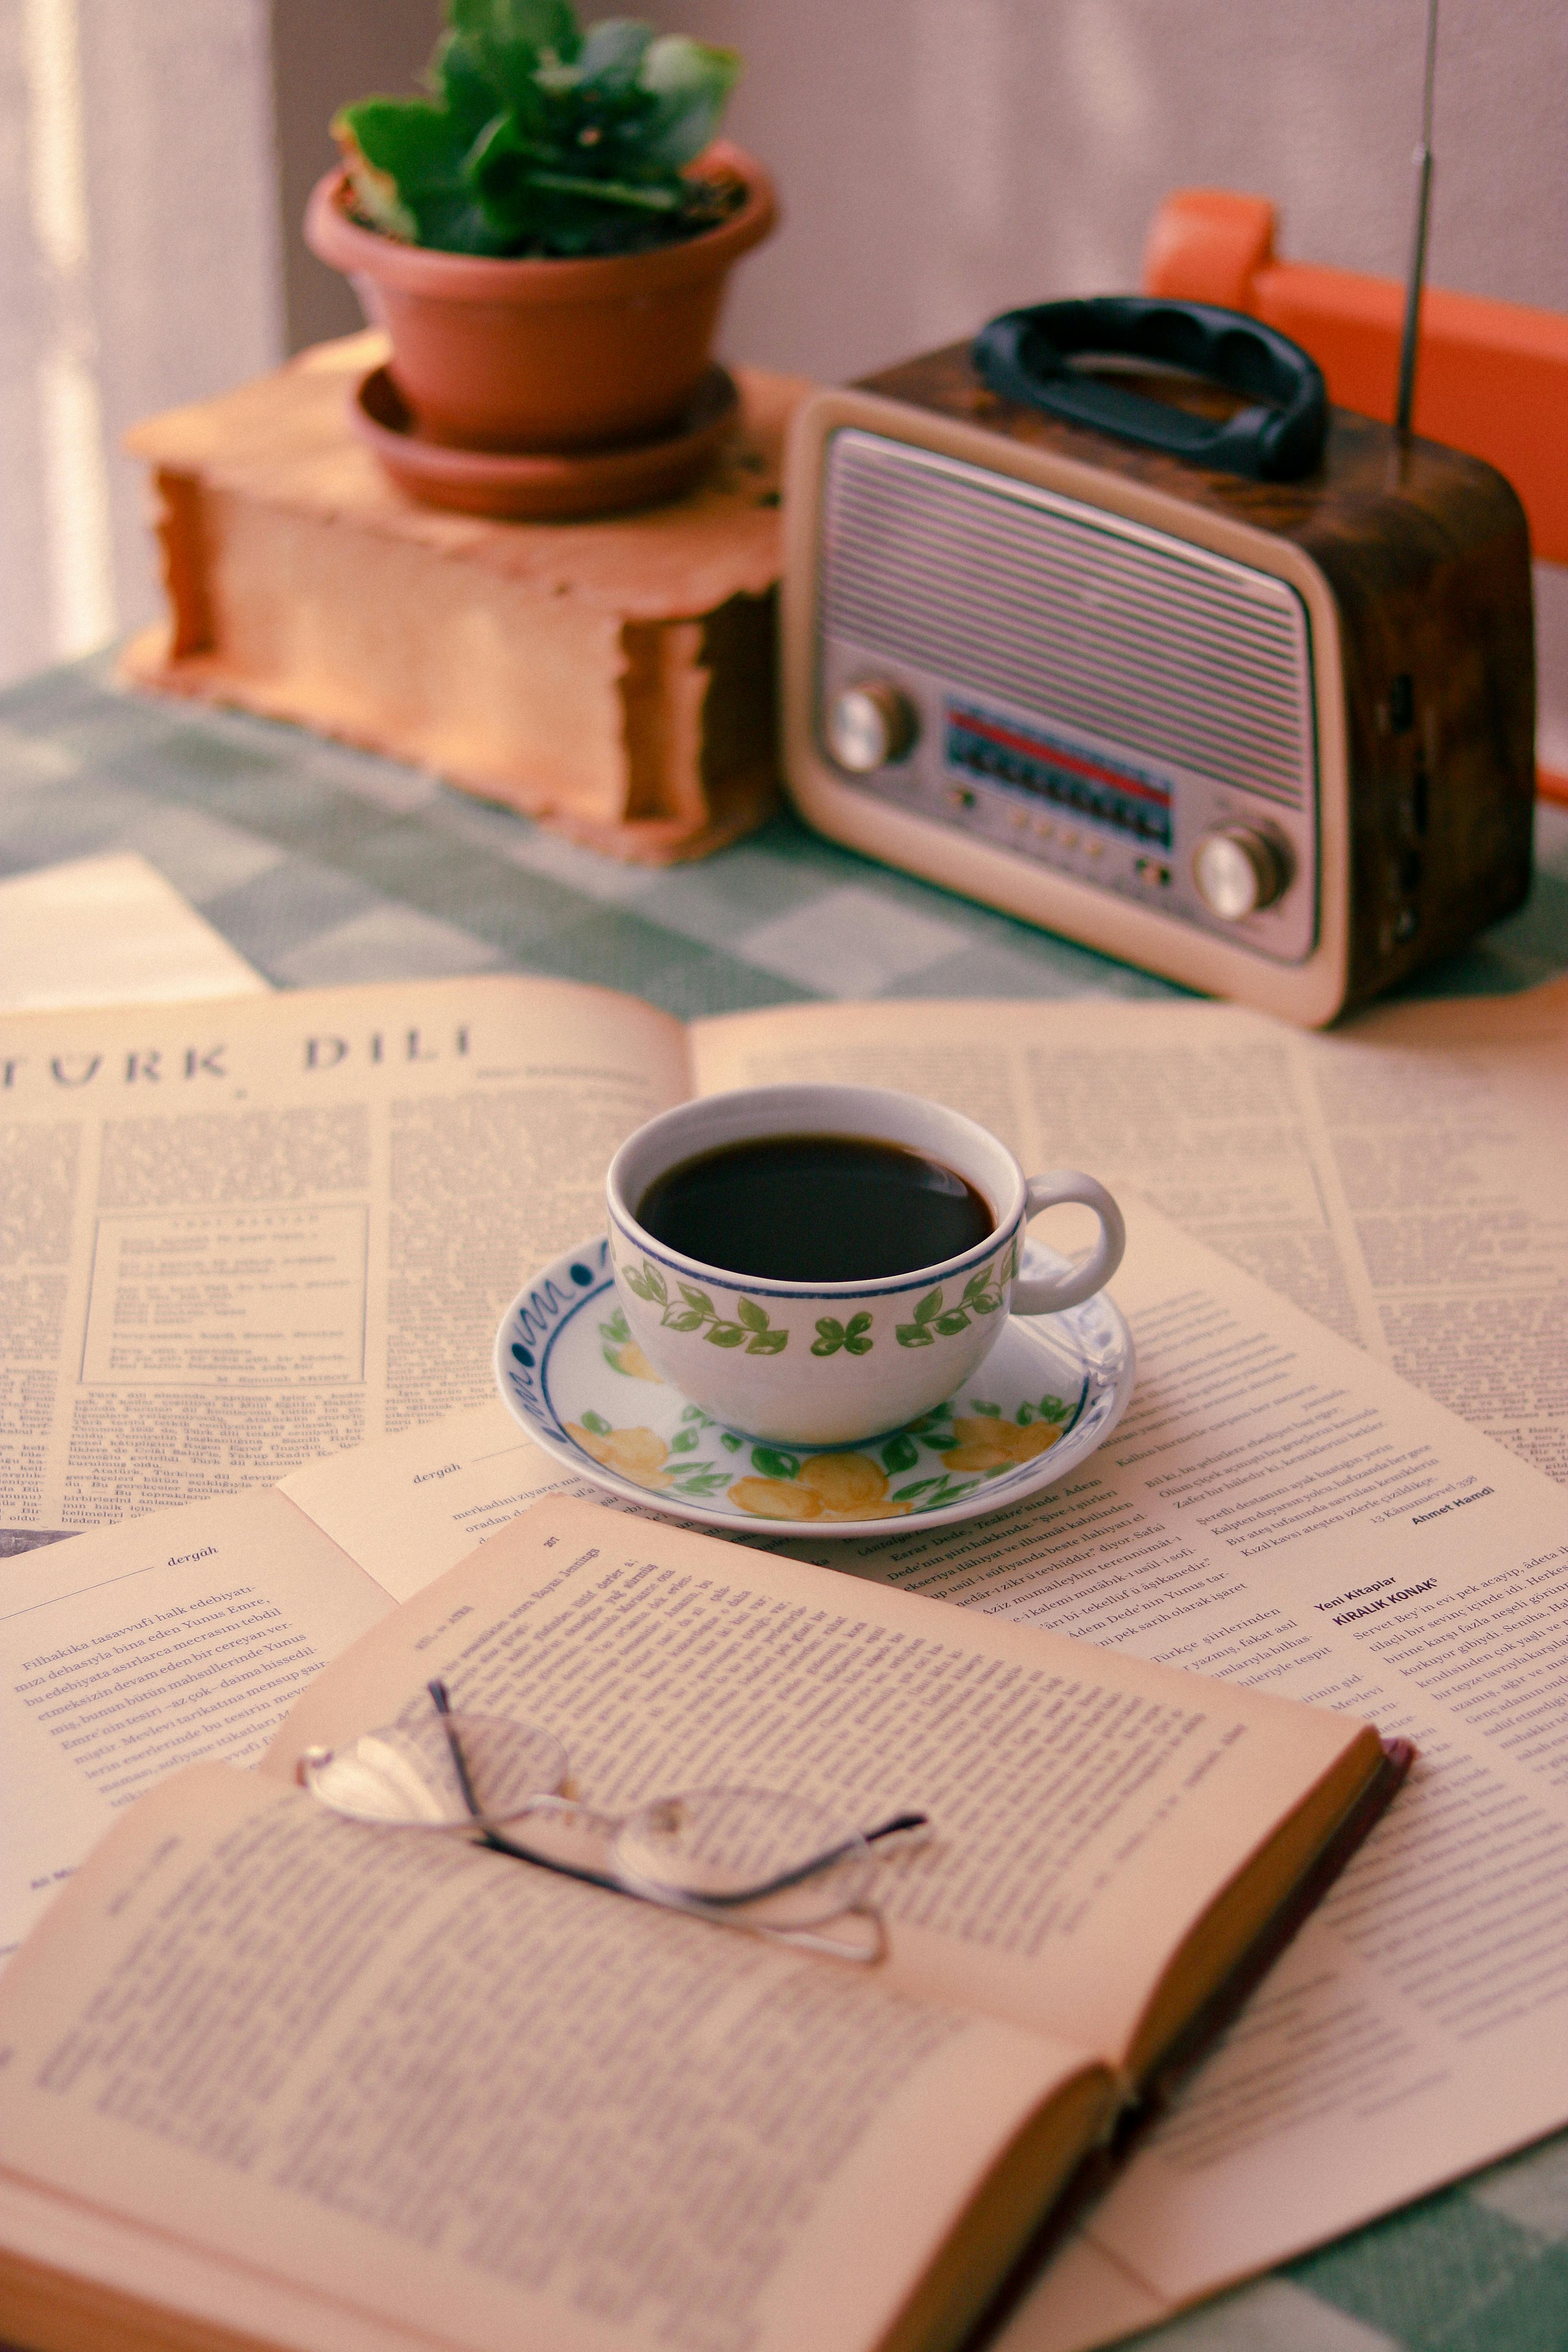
(726, 1909)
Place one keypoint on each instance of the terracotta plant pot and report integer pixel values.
(546, 355)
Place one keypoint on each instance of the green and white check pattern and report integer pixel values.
(324, 865)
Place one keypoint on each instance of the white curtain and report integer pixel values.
(139, 269)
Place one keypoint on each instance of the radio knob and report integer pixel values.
(1238, 871)
(869, 726)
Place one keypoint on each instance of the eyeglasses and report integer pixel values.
(775, 1865)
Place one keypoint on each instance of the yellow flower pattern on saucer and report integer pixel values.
(640, 1454)
(828, 1486)
(782, 1483)
(995, 1445)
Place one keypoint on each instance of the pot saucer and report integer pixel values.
(1050, 1391)
(542, 485)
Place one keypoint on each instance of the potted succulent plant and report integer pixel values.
(546, 232)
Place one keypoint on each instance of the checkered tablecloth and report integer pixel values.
(323, 865)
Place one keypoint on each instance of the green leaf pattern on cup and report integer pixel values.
(750, 1328)
(983, 1294)
(854, 1336)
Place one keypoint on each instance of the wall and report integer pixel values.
(942, 160)
(139, 268)
(323, 52)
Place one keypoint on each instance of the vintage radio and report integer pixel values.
(1271, 738)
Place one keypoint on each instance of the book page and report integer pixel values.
(1401, 1180)
(241, 1236)
(412, 1506)
(1085, 1808)
(490, 2106)
(129, 1651)
(1281, 1511)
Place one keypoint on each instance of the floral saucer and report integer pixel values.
(1052, 1390)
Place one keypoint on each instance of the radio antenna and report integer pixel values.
(1406, 400)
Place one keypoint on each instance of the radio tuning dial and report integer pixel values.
(869, 726)
(1238, 871)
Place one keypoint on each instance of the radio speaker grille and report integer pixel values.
(1147, 644)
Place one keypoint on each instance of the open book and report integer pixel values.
(271, 2076)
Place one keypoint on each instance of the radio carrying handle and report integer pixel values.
(1024, 355)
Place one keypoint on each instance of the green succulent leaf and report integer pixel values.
(916, 1335)
(610, 59)
(859, 1345)
(690, 81)
(683, 1441)
(930, 1305)
(597, 1423)
(857, 1324)
(829, 1336)
(754, 1316)
(685, 1318)
(729, 1335)
(506, 41)
(772, 1343)
(455, 79)
(730, 1440)
(948, 1325)
(405, 159)
(900, 1453)
(534, 137)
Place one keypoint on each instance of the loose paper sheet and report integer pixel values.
(109, 931)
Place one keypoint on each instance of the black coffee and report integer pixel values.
(815, 1208)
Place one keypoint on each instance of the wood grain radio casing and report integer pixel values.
(1271, 738)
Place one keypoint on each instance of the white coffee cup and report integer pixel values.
(831, 1363)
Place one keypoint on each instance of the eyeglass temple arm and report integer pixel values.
(734, 1898)
(492, 1838)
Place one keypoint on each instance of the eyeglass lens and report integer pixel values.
(414, 1774)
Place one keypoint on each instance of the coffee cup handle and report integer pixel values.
(1050, 1293)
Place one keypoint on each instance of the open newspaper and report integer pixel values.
(236, 1236)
